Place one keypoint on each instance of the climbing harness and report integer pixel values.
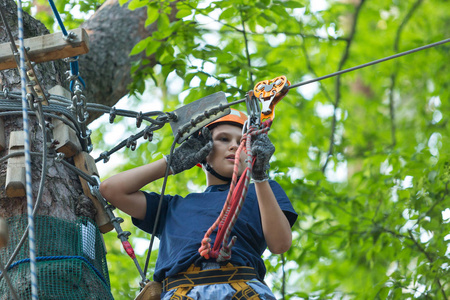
(236, 277)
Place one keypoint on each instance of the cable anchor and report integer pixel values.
(139, 119)
(104, 155)
(70, 37)
(131, 143)
(148, 133)
(112, 115)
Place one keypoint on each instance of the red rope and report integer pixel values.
(221, 251)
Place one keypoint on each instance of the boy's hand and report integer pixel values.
(262, 149)
(192, 151)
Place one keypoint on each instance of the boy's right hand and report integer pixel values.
(191, 152)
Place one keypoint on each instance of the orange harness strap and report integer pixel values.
(228, 274)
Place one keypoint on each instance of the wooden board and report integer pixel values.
(68, 142)
(15, 171)
(47, 48)
(4, 236)
(86, 163)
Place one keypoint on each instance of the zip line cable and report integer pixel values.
(369, 63)
(359, 66)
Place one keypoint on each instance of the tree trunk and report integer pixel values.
(113, 31)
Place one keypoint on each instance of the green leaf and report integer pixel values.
(152, 15)
(140, 46)
(184, 13)
(152, 46)
(135, 4)
(228, 13)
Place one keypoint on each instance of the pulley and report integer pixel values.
(269, 93)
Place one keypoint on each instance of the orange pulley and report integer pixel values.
(269, 93)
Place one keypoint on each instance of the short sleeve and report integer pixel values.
(148, 223)
(284, 202)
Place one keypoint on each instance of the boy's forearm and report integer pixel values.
(133, 180)
(276, 228)
(123, 189)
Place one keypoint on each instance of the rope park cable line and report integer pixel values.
(76, 112)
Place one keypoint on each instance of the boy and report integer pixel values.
(265, 219)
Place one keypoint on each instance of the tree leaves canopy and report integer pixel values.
(364, 157)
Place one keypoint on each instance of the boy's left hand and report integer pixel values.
(192, 151)
(262, 149)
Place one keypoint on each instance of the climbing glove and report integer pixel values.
(262, 149)
(192, 151)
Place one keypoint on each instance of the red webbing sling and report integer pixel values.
(221, 250)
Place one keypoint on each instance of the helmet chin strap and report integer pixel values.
(214, 173)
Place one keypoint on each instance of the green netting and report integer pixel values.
(71, 262)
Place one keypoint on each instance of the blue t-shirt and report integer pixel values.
(185, 220)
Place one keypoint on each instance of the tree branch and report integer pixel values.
(247, 53)
(338, 82)
(395, 73)
(208, 16)
(310, 68)
(430, 259)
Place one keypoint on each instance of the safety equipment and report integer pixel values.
(262, 150)
(236, 277)
(235, 117)
(191, 152)
(269, 93)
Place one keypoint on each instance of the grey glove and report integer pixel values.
(192, 151)
(262, 149)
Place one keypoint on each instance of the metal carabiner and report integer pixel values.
(253, 110)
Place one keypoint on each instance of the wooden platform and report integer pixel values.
(47, 48)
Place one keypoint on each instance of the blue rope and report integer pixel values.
(45, 258)
(58, 17)
(73, 64)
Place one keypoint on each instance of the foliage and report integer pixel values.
(364, 157)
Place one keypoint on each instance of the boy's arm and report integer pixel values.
(123, 190)
(276, 227)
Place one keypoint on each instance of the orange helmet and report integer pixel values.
(235, 117)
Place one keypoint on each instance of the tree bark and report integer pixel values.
(113, 31)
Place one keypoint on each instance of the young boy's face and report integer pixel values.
(226, 140)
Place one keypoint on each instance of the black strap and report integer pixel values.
(214, 276)
(214, 173)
